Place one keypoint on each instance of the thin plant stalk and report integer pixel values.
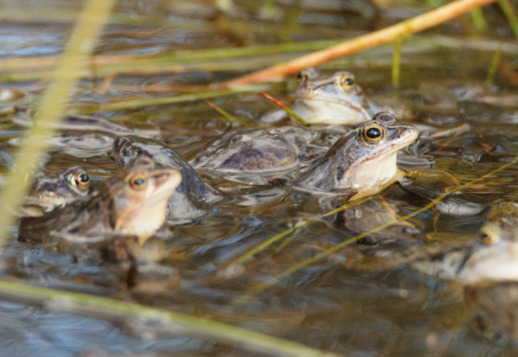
(152, 64)
(35, 141)
(355, 45)
(296, 267)
(167, 321)
(188, 97)
(243, 258)
(396, 64)
(223, 112)
(477, 15)
(285, 108)
(508, 11)
(495, 63)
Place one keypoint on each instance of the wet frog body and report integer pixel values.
(255, 156)
(361, 163)
(49, 193)
(331, 100)
(490, 256)
(130, 204)
(191, 198)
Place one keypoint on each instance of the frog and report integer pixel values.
(51, 192)
(361, 163)
(489, 256)
(193, 196)
(260, 156)
(129, 208)
(335, 100)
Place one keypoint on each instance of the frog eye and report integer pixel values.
(347, 81)
(371, 134)
(79, 179)
(307, 73)
(131, 152)
(83, 181)
(138, 182)
(488, 235)
(126, 153)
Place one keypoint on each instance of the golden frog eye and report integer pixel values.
(79, 179)
(371, 134)
(488, 234)
(347, 81)
(138, 182)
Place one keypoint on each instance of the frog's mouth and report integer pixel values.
(331, 109)
(167, 181)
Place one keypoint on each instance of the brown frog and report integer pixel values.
(131, 205)
(191, 198)
(51, 192)
(331, 100)
(361, 163)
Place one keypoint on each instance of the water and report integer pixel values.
(357, 301)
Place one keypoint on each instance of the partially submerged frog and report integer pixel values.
(489, 257)
(191, 197)
(331, 100)
(361, 163)
(256, 156)
(49, 193)
(129, 206)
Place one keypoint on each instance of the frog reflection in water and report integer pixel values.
(49, 193)
(361, 163)
(132, 204)
(191, 198)
(331, 100)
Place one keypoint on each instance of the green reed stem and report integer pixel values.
(132, 104)
(508, 11)
(168, 321)
(477, 16)
(64, 15)
(494, 67)
(396, 64)
(260, 247)
(226, 114)
(35, 141)
(181, 60)
(285, 108)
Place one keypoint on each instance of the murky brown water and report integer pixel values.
(357, 301)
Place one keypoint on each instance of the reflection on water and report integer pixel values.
(364, 299)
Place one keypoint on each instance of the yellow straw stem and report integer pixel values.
(35, 140)
(358, 44)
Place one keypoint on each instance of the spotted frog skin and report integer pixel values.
(49, 193)
(335, 100)
(361, 163)
(131, 204)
